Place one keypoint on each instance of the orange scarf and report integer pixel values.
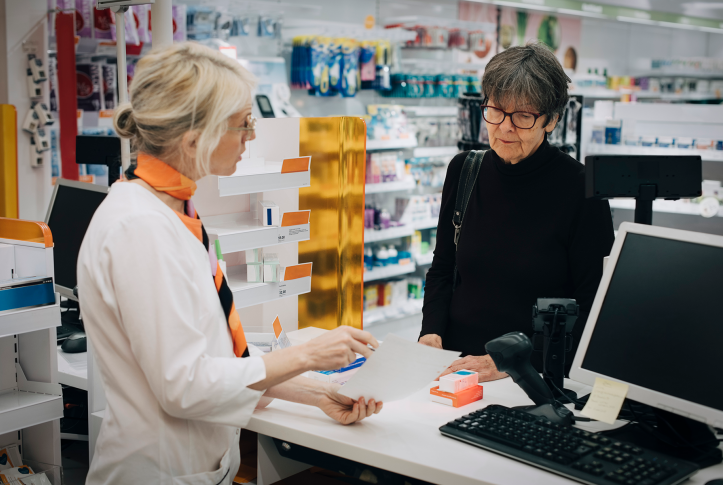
(165, 178)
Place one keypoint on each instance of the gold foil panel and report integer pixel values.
(337, 146)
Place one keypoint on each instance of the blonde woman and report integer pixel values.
(179, 377)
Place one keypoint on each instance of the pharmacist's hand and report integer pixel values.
(345, 410)
(431, 340)
(482, 364)
(338, 348)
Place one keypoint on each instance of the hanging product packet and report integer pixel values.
(350, 78)
(109, 86)
(143, 14)
(102, 21)
(84, 18)
(334, 63)
(88, 84)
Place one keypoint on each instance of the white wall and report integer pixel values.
(22, 24)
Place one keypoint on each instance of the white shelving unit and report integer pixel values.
(396, 144)
(388, 272)
(669, 206)
(247, 294)
(449, 151)
(603, 149)
(262, 177)
(426, 224)
(370, 235)
(424, 259)
(398, 186)
(388, 313)
(13, 322)
(238, 232)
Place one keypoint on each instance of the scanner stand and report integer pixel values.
(552, 322)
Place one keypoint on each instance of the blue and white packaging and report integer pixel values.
(269, 213)
(648, 141)
(339, 376)
(613, 132)
(684, 142)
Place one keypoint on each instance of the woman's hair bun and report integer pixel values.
(124, 121)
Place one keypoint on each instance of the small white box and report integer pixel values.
(255, 272)
(271, 268)
(35, 90)
(36, 158)
(458, 381)
(254, 256)
(44, 115)
(31, 122)
(42, 141)
(37, 69)
(269, 213)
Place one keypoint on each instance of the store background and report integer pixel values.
(673, 70)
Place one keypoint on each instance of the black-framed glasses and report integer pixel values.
(523, 120)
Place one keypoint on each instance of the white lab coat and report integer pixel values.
(176, 394)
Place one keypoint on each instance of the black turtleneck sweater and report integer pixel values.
(528, 232)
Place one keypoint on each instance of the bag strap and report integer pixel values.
(467, 180)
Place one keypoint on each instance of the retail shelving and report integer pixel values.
(603, 149)
(420, 111)
(424, 259)
(370, 235)
(394, 144)
(265, 177)
(13, 322)
(247, 294)
(430, 223)
(388, 271)
(30, 404)
(448, 151)
(398, 186)
(238, 233)
(388, 313)
(669, 206)
(617, 94)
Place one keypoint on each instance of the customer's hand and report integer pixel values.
(345, 410)
(483, 365)
(337, 348)
(431, 340)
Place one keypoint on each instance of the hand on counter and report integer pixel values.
(482, 364)
(345, 410)
(338, 348)
(431, 340)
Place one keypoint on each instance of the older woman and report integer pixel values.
(179, 376)
(528, 230)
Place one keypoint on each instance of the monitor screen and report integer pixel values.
(69, 217)
(660, 326)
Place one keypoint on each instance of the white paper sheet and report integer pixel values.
(397, 369)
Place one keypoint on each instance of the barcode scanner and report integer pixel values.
(511, 354)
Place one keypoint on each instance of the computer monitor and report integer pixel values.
(71, 209)
(657, 323)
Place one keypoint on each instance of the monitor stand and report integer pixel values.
(666, 432)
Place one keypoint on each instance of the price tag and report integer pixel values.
(282, 290)
(293, 233)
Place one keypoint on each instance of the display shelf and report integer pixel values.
(370, 235)
(237, 233)
(22, 409)
(420, 111)
(448, 151)
(14, 322)
(424, 259)
(430, 223)
(388, 271)
(264, 177)
(414, 20)
(385, 314)
(398, 186)
(616, 94)
(247, 294)
(73, 369)
(397, 144)
(669, 206)
(604, 149)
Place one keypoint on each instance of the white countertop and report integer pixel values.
(405, 438)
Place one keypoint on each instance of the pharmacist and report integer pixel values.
(179, 376)
(528, 231)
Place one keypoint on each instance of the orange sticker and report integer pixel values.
(293, 165)
(277, 327)
(298, 271)
(369, 22)
(295, 218)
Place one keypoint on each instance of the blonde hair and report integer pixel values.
(182, 88)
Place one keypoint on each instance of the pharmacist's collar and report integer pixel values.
(542, 155)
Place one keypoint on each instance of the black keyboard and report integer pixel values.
(565, 450)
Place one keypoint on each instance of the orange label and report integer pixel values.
(277, 327)
(89, 179)
(292, 165)
(369, 22)
(295, 218)
(298, 271)
(105, 113)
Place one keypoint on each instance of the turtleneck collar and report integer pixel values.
(544, 153)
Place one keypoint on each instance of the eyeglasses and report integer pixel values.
(523, 120)
(249, 126)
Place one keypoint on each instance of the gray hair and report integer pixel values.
(529, 74)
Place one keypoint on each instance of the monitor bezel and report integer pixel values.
(64, 291)
(650, 397)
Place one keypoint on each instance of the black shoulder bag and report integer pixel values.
(467, 179)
